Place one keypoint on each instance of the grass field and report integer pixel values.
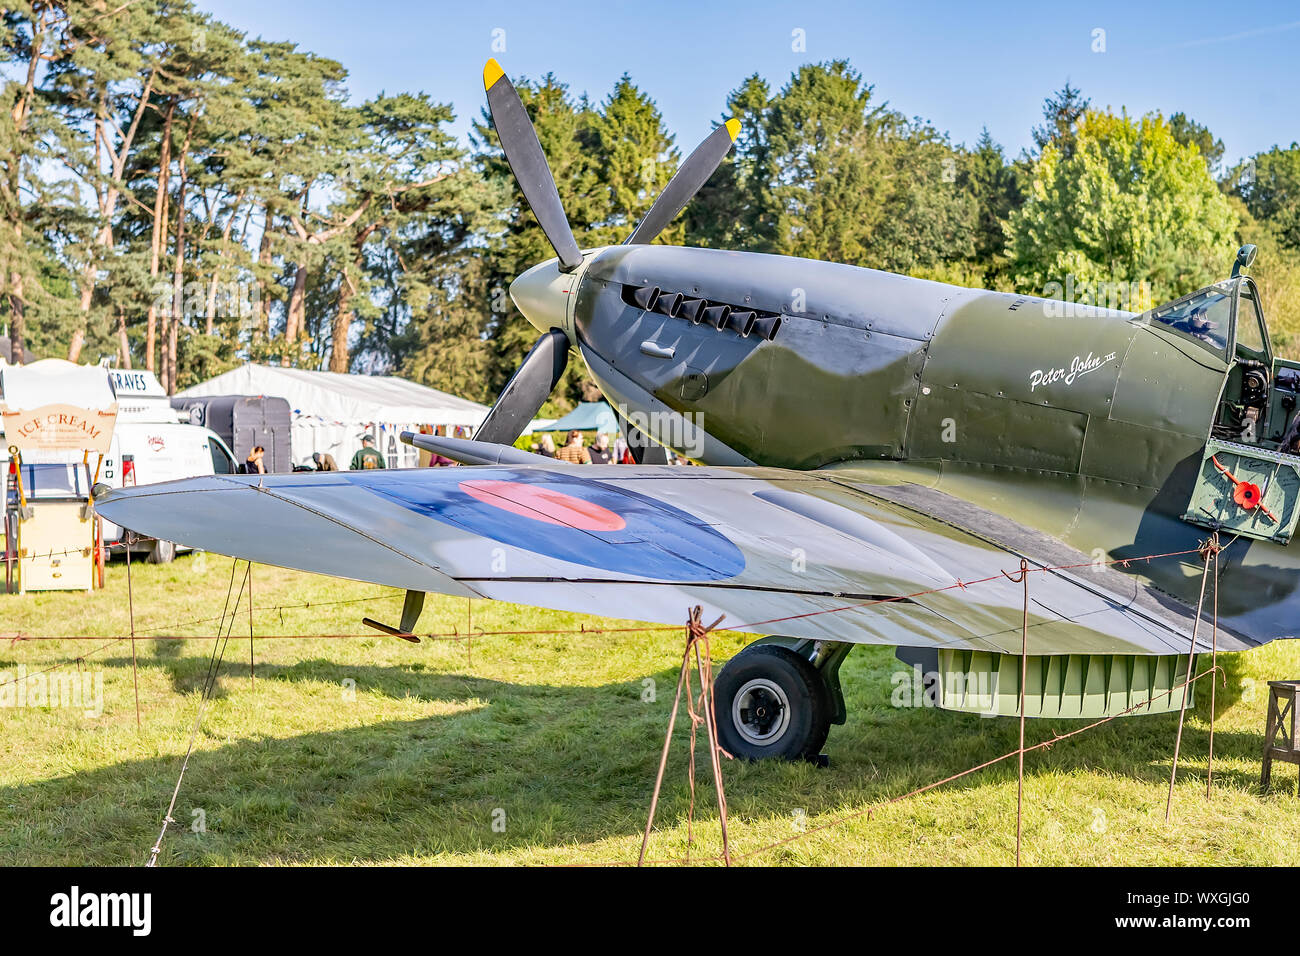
(543, 749)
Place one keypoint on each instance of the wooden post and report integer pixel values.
(101, 550)
(1214, 674)
(1280, 739)
(663, 756)
(696, 633)
(1023, 579)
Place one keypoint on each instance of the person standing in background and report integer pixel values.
(599, 452)
(256, 465)
(324, 461)
(366, 456)
(574, 452)
(434, 459)
(547, 447)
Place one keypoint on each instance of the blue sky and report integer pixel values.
(1233, 67)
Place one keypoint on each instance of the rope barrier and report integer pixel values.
(275, 609)
(1208, 549)
(868, 811)
(961, 585)
(75, 660)
(84, 551)
(701, 709)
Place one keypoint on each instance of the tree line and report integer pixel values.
(178, 196)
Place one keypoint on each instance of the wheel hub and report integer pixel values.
(760, 712)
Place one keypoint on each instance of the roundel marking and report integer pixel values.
(543, 504)
(597, 524)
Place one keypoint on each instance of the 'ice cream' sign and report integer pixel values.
(60, 428)
(57, 406)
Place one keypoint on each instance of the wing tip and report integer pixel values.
(733, 128)
(491, 73)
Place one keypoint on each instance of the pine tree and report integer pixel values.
(1062, 110)
(858, 183)
(1188, 131)
(1270, 186)
(993, 185)
(824, 132)
(402, 172)
(637, 161)
(34, 287)
(736, 208)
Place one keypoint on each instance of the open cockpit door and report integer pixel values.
(1246, 490)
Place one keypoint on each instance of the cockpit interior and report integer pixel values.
(1260, 402)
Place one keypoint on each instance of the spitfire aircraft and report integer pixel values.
(869, 441)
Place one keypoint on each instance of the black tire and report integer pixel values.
(795, 707)
(163, 552)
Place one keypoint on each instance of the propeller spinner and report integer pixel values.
(543, 293)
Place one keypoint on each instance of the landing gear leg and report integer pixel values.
(778, 698)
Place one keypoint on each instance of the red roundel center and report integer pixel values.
(543, 504)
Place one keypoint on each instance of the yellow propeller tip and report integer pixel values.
(733, 128)
(491, 73)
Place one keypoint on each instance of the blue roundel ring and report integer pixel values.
(564, 516)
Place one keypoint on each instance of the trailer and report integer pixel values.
(244, 422)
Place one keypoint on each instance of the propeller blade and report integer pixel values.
(527, 389)
(528, 163)
(690, 176)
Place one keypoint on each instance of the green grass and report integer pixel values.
(552, 733)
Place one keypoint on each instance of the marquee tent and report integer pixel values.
(587, 417)
(332, 410)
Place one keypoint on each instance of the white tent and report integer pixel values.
(332, 410)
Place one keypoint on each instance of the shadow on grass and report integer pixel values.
(514, 766)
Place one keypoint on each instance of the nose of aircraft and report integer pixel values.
(542, 294)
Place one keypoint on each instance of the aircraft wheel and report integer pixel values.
(771, 703)
(164, 552)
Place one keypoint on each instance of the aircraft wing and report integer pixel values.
(777, 552)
